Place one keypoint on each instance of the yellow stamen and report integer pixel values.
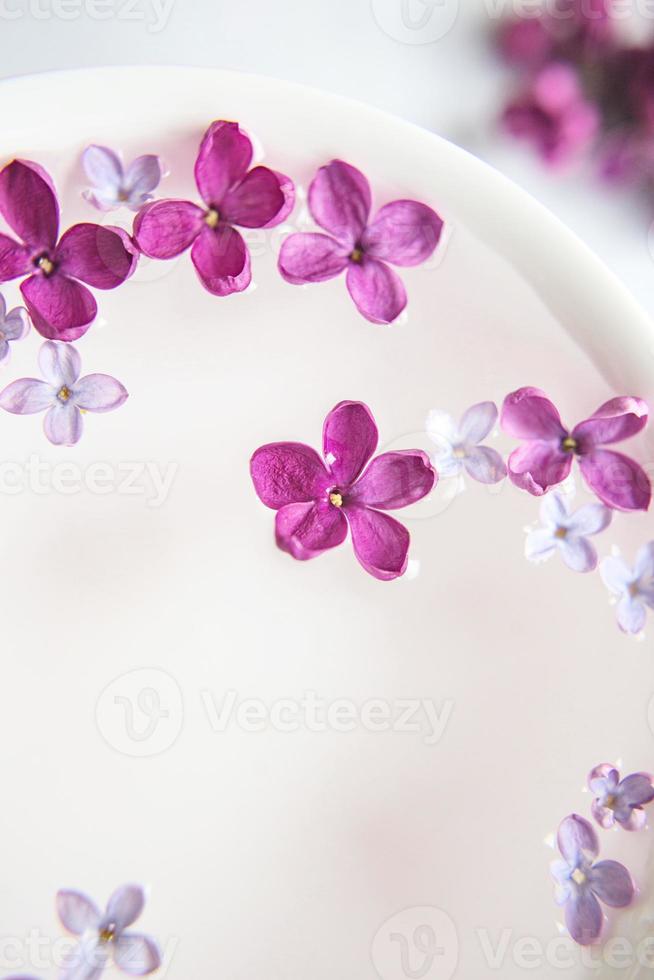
(336, 499)
(212, 218)
(578, 876)
(108, 934)
(569, 445)
(64, 393)
(561, 533)
(46, 265)
(610, 802)
(356, 255)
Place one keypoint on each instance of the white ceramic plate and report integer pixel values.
(129, 629)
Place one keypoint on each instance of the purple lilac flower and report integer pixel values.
(620, 801)
(633, 586)
(113, 185)
(104, 936)
(233, 195)
(546, 457)
(567, 533)
(583, 884)
(554, 115)
(63, 395)
(525, 41)
(14, 325)
(458, 445)
(403, 233)
(316, 501)
(61, 307)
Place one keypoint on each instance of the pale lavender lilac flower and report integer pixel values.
(14, 325)
(402, 233)
(620, 800)
(60, 306)
(459, 446)
(634, 587)
(114, 186)
(582, 884)
(63, 395)
(316, 501)
(103, 935)
(233, 195)
(567, 533)
(546, 457)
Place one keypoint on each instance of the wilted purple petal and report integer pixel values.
(223, 159)
(377, 291)
(287, 187)
(576, 836)
(221, 260)
(306, 530)
(125, 906)
(403, 232)
(584, 918)
(63, 424)
(15, 259)
(255, 201)
(394, 480)
(529, 414)
(637, 789)
(76, 911)
(26, 396)
(60, 364)
(288, 473)
(99, 393)
(381, 543)
(349, 439)
(617, 419)
(339, 200)
(28, 204)
(311, 257)
(618, 481)
(484, 465)
(612, 884)
(537, 466)
(60, 308)
(136, 954)
(165, 229)
(95, 254)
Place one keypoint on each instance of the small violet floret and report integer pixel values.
(634, 587)
(567, 532)
(115, 186)
(458, 445)
(316, 501)
(63, 395)
(620, 801)
(403, 233)
(14, 325)
(549, 449)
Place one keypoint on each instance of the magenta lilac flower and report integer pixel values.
(233, 196)
(317, 500)
(458, 445)
(403, 233)
(115, 186)
(633, 587)
(62, 395)
(620, 801)
(567, 533)
(581, 884)
(61, 307)
(14, 325)
(104, 936)
(545, 459)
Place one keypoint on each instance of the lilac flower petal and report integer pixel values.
(404, 233)
(644, 567)
(540, 544)
(3, 307)
(16, 324)
(590, 519)
(28, 204)
(381, 543)
(15, 259)
(538, 466)
(603, 778)
(87, 960)
(617, 419)
(288, 473)
(478, 422)
(604, 816)
(339, 200)
(637, 789)
(255, 201)
(311, 258)
(142, 177)
(631, 614)
(63, 424)
(125, 906)
(165, 229)
(60, 308)
(576, 836)
(632, 819)
(77, 911)
(485, 465)
(394, 480)
(5, 351)
(95, 254)
(584, 918)
(306, 530)
(554, 510)
(377, 291)
(561, 874)
(441, 428)
(578, 554)
(136, 954)
(618, 481)
(529, 414)
(616, 574)
(27, 396)
(99, 393)
(222, 260)
(612, 884)
(60, 364)
(287, 187)
(224, 157)
(349, 439)
(103, 168)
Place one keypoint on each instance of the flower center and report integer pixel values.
(569, 445)
(561, 533)
(64, 393)
(579, 877)
(459, 452)
(633, 590)
(212, 218)
(610, 802)
(108, 934)
(336, 498)
(45, 264)
(356, 255)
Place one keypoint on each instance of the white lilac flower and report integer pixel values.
(103, 936)
(458, 447)
(634, 587)
(567, 532)
(14, 325)
(114, 186)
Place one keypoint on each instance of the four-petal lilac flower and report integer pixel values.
(634, 587)
(546, 457)
(316, 501)
(61, 307)
(582, 884)
(404, 233)
(14, 325)
(233, 195)
(620, 801)
(113, 185)
(567, 533)
(458, 446)
(63, 395)
(103, 936)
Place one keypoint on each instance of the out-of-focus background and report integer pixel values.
(429, 61)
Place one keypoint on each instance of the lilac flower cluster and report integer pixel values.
(582, 882)
(582, 87)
